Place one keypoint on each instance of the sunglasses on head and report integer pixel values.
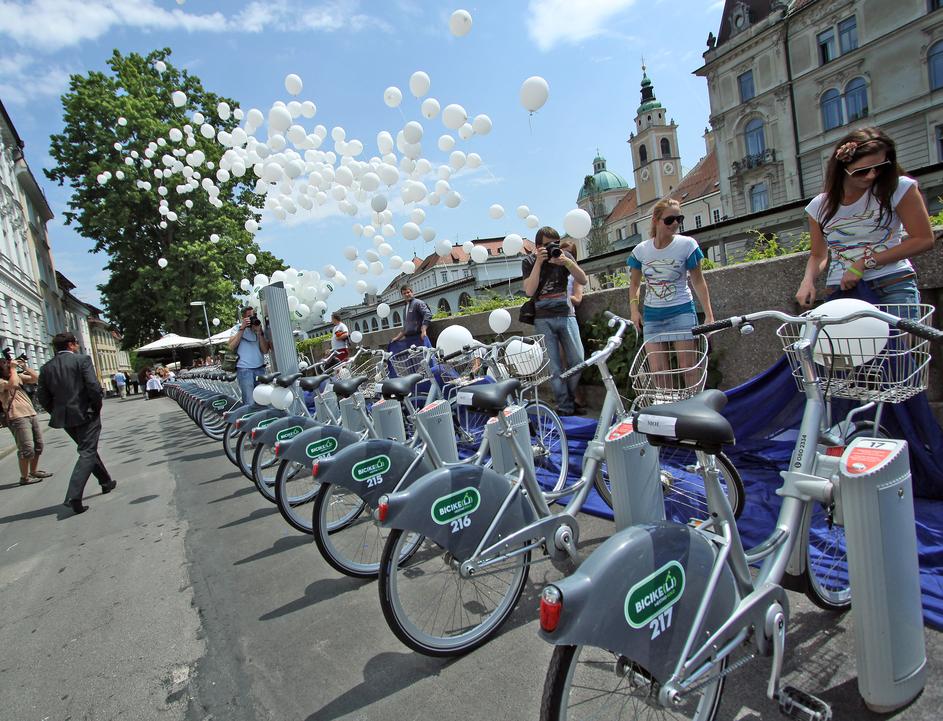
(861, 172)
(672, 219)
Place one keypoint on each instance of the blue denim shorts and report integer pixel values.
(679, 326)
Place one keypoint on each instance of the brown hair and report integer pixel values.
(546, 233)
(659, 210)
(60, 341)
(6, 367)
(864, 141)
(569, 246)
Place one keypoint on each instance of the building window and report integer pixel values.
(716, 215)
(396, 318)
(759, 198)
(755, 137)
(642, 155)
(697, 221)
(444, 306)
(934, 5)
(445, 276)
(618, 233)
(745, 82)
(464, 300)
(826, 42)
(939, 141)
(681, 227)
(935, 61)
(665, 148)
(856, 99)
(848, 35)
(831, 109)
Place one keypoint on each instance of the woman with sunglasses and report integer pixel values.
(857, 222)
(668, 261)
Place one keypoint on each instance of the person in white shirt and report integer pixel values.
(856, 223)
(339, 337)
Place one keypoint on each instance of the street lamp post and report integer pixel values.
(205, 318)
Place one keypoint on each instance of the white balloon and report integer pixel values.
(162, 262)
(466, 131)
(473, 160)
(396, 262)
(385, 249)
(512, 244)
(410, 231)
(175, 135)
(408, 267)
(361, 286)
(577, 223)
(376, 267)
(525, 358)
(245, 284)
(308, 109)
(499, 320)
(282, 398)
(215, 322)
(460, 23)
(392, 96)
(532, 221)
(278, 276)
(457, 159)
(350, 252)
(534, 93)
(496, 211)
(356, 337)
(260, 279)
(467, 247)
(444, 248)
(378, 203)
(430, 108)
(479, 254)
(383, 310)
(522, 211)
(849, 344)
(428, 234)
(302, 312)
(293, 84)
(481, 124)
(454, 116)
(452, 199)
(384, 142)
(292, 300)
(417, 215)
(179, 98)
(250, 259)
(454, 338)
(160, 66)
(412, 131)
(279, 119)
(446, 143)
(419, 83)
(262, 394)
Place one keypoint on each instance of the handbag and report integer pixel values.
(5, 412)
(528, 312)
(230, 359)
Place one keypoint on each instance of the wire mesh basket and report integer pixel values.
(671, 369)
(869, 361)
(525, 358)
(410, 361)
(373, 365)
(462, 369)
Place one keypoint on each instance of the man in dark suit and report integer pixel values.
(69, 390)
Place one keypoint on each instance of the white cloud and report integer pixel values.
(570, 21)
(51, 25)
(22, 80)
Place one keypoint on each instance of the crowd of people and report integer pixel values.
(865, 226)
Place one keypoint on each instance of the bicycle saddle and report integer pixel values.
(695, 421)
(312, 383)
(286, 381)
(400, 388)
(346, 388)
(267, 378)
(489, 397)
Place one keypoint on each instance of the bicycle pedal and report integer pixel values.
(803, 706)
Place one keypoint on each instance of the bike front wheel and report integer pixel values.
(295, 489)
(827, 583)
(230, 442)
(548, 443)
(264, 470)
(584, 682)
(435, 611)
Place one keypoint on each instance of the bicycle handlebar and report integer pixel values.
(919, 329)
(614, 342)
(711, 327)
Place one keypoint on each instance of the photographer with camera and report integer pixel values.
(546, 276)
(20, 416)
(248, 341)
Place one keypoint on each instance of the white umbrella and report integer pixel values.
(171, 342)
(221, 337)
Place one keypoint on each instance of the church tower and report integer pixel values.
(655, 153)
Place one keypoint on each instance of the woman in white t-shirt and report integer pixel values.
(856, 223)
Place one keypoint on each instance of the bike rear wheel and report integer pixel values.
(549, 445)
(245, 449)
(230, 441)
(827, 582)
(584, 682)
(435, 611)
(264, 470)
(295, 489)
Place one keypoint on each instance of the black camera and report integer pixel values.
(255, 320)
(553, 250)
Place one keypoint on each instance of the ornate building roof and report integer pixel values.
(604, 180)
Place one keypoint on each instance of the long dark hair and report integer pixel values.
(867, 141)
(5, 369)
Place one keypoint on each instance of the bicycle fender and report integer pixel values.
(639, 592)
(319, 441)
(455, 506)
(261, 419)
(373, 468)
(240, 411)
(218, 402)
(283, 429)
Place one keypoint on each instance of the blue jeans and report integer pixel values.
(245, 377)
(562, 331)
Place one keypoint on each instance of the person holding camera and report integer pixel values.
(248, 341)
(21, 418)
(546, 275)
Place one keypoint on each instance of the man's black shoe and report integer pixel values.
(109, 487)
(76, 506)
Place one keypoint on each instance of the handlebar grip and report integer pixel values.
(919, 329)
(711, 327)
(609, 314)
(454, 354)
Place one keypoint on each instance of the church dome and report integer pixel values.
(604, 180)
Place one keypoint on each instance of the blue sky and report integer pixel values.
(347, 52)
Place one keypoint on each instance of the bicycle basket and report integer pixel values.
(526, 358)
(669, 372)
(461, 369)
(372, 365)
(410, 361)
(889, 368)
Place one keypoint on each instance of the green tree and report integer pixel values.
(123, 219)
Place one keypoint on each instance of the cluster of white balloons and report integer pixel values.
(307, 290)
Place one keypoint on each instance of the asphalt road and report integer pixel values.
(184, 595)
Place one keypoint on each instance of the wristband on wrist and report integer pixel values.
(854, 270)
(633, 300)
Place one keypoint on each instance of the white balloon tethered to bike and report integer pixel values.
(876, 502)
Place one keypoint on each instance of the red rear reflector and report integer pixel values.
(551, 606)
(314, 469)
(835, 451)
(277, 443)
(382, 510)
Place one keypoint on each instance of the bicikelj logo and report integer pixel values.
(321, 448)
(455, 505)
(370, 468)
(654, 594)
(219, 403)
(287, 433)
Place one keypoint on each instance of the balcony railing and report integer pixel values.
(754, 160)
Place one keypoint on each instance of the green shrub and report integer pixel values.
(483, 304)
(594, 334)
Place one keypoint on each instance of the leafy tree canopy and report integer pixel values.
(123, 219)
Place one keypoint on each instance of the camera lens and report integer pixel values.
(255, 320)
(554, 251)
